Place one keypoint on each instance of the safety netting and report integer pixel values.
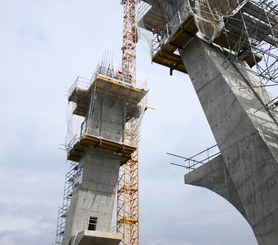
(165, 16)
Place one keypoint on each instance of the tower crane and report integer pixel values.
(128, 182)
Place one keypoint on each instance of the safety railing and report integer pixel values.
(160, 39)
(85, 83)
(118, 75)
(80, 82)
(142, 9)
(197, 160)
(72, 142)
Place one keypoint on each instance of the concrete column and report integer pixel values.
(246, 174)
(97, 174)
(94, 195)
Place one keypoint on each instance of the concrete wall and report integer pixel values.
(107, 118)
(95, 194)
(246, 133)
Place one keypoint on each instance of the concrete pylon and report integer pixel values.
(246, 172)
(107, 105)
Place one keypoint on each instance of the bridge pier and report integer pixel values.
(246, 173)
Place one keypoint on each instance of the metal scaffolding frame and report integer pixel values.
(64, 209)
(258, 38)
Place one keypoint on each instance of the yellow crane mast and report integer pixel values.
(128, 183)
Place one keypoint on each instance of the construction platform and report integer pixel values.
(87, 237)
(80, 147)
(165, 49)
(112, 87)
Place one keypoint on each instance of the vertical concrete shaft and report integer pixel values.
(95, 194)
(98, 169)
(107, 118)
(246, 173)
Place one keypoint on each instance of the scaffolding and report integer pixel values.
(70, 182)
(258, 38)
(108, 84)
(245, 30)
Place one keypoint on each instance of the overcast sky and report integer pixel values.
(44, 46)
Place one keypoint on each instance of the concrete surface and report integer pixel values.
(246, 173)
(107, 118)
(94, 196)
(97, 238)
(214, 176)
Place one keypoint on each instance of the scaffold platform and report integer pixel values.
(262, 27)
(110, 86)
(80, 146)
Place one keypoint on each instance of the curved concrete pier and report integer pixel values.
(246, 173)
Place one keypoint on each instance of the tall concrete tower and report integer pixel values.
(229, 51)
(106, 103)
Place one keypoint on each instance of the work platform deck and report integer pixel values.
(81, 145)
(165, 52)
(169, 41)
(87, 237)
(104, 85)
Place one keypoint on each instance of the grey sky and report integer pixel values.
(44, 46)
